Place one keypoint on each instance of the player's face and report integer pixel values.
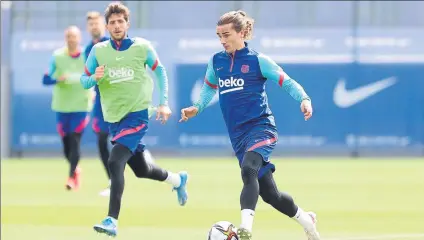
(96, 27)
(73, 38)
(230, 39)
(117, 26)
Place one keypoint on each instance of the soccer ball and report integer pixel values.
(223, 230)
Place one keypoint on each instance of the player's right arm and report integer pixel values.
(48, 76)
(207, 92)
(92, 71)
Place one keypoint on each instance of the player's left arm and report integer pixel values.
(163, 111)
(270, 70)
(159, 70)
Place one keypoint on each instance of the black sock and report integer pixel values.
(143, 169)
(102, 144)
(74, 151)
(66, 147)
(283, 202)
(252, 162)
(117, 161)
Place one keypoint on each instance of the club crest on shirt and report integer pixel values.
(244, 68)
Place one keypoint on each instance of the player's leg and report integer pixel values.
(284, 203)
(78, 123)
(126, 135)
(146, 169)
(119, 157)
(250, 166)
(104, 152)
(258, 145)
(101, 128)
(63, 128)
(103, 145)
(281, 201)
(65, 144)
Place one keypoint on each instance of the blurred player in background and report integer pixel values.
(118, 67)
(240, 73)
(70, 100)
(96, 28)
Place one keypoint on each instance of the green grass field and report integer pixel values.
(354, 200)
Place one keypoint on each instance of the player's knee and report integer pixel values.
(248, 173)
(74, 143)
(252, 162)
(74, 138)
(113, 163)
(142, 169)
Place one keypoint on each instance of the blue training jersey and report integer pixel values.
(240, 80)
(86, 53)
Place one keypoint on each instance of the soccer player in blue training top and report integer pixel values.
(239, 74)
(118, 67)
(96, 28)
(70, 100)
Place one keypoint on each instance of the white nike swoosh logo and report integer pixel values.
(344, 98)
(119, 58)
(195, 93)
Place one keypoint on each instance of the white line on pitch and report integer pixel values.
(382, 237)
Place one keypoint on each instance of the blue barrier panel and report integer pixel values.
(372, 100)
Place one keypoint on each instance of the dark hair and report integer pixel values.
(240, 21)
(117, 8)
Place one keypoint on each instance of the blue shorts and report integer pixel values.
(130, 130)
(261, 139)
(99, 124)
(74, 122)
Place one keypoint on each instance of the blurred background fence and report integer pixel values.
(362, 63)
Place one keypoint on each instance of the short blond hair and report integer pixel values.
(241, 22)
(93, 15)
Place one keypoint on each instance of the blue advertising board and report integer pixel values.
(367, 92)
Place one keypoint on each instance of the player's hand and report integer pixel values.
(306, 108)
(187, 113)
(163, 113)
(100, 72)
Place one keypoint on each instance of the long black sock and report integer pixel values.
(117, 161)
(102, 144)
(281, 201)
(252, 162)
(143, 169)
(74, 151)
(66, 147)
